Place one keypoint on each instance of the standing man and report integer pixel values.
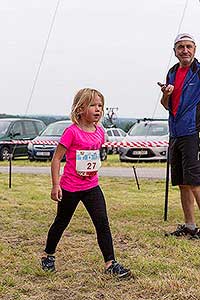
(181, 96)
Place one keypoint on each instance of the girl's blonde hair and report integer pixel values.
(82, 101)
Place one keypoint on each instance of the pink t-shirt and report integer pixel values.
(74, 138)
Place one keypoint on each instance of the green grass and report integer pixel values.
(112, 161)
(163, 268)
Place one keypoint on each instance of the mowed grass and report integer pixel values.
(112, 161)
(163, 268)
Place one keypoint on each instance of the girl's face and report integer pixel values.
(93, 113)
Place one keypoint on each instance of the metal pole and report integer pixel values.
(10, 169)
(166, 187)
(136, 178)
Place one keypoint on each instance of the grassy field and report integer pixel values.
(112, 161)
(163, 268)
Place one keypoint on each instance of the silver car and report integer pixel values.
(114, 135)
(145, 141)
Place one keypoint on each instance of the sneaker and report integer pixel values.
(118, 270)
(48, 263)
(196, 235)
(182, 230)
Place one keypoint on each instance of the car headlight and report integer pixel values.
(30, 146)
(163, 153)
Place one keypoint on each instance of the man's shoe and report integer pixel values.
(182, 230)
(196, 236)
(48, 263)
(118, 270)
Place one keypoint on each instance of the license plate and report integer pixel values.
(140, 152)
(43, 153)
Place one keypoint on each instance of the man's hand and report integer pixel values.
(166, 89)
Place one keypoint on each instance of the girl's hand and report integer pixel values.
(56, 193)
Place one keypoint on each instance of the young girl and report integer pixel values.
(79, 182)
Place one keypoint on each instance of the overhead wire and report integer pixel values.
(46, 45)
(170, 59)
(158, 100)
(169, 62)
(42, 57)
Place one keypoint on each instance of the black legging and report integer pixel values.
(94, 202)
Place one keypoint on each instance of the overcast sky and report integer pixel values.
(120, 47)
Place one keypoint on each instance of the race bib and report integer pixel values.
(87, 162)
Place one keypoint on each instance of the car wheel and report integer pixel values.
(122, 160)
(110, 151)
(103, 154)
(115, 151)
(4, 153)
(31, 159)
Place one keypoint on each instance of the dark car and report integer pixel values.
(15, 133)
(44, 145)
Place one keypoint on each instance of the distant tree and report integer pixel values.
(128, 125)
(47, 119)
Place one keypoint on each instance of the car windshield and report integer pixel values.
(149, 129)
(55, 129)
(4, 126)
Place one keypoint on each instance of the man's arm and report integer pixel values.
(165, 101)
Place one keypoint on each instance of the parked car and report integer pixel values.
(15, 134)
(114, 135)
(44, 145)
(145, 141)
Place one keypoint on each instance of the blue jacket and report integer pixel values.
(187, 119)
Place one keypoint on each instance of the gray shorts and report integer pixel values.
(185, 160)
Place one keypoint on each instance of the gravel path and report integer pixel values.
(151, 173)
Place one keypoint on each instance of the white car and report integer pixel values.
(145, 141)
(114, 135)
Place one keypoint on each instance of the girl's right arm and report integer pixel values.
(56, 192)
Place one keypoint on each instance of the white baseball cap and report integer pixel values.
(184, 37)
